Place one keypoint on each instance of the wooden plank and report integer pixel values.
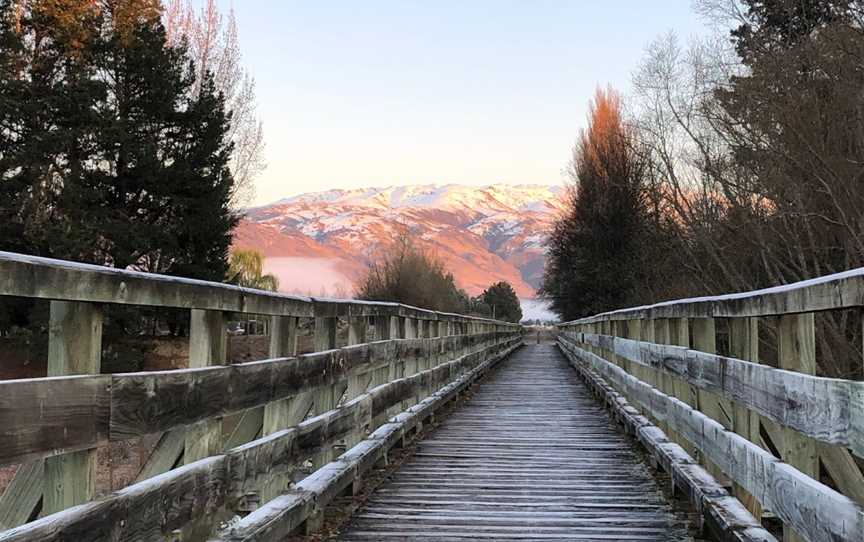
(724, 518)
(843, 469)
(22, 495)
(796, 351)
(74, 347)
(814, 510)
(358, 381)
(50, 416)
(283, 343)
(154, 508)
(36, 277)
(165, 456)
(45, 278)
(325, 398)
(821, 408)
(529, 457)
(158, 401)
(208, 346)
(830, 292)
(744, 344)
(280, 517)
(148, 510)
(280, 414)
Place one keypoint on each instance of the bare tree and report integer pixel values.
(675, 115)
(213, 43)
(756, 145)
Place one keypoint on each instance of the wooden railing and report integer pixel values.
(789, 443)
(290, 410)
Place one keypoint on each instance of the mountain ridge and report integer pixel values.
(482, 233)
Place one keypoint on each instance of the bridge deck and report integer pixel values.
(532, 456)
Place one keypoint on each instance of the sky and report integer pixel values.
(378, 93)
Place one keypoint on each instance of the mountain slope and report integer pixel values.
(321, 242)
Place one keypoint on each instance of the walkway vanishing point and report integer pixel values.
(532, 456)
(555, 442)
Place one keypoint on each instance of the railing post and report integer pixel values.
(411, 365)
(679, 335)
(796, 351)
(662, 335)
(646, 333)
(278, 415)
(634, 332)
(397, 330)
(744, 344)
(325, 398)
(382, 375)
(284, 413)
(663, 381)
(705, 340)
(208, 345)
(397, 366)
(74, 348)
(357, 383)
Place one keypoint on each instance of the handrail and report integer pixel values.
(830, 292)
(46, 278)
(287, 408)
(772, 431)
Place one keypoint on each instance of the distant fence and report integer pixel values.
(287, 412)
(790, 443)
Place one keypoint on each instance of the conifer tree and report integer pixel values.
(106, 157)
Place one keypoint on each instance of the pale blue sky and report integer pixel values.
(363, 93)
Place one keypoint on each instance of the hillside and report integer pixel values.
(320, 242)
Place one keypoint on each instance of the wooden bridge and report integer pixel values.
(553, 441)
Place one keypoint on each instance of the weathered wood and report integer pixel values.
(22, 495)
(723, 516)
(529, 457)
(830, 292)
(821, 408)
(208, 346)
(150, 402)
(843, 469)
(796, 351)
(326, 397)
(36, 277)
(165, 456)
(811, 508)
(283, 343)
(45, 278)
(359, 381)
(51, 416)
(145, 511)
(280, 517)
(74, 347)
(744, 344)
(154, 508)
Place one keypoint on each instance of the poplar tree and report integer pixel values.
(595, 253)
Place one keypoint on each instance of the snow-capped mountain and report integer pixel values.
(321, 242)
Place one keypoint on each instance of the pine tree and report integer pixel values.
(47, 93)
(156, 196)
(106, 155)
